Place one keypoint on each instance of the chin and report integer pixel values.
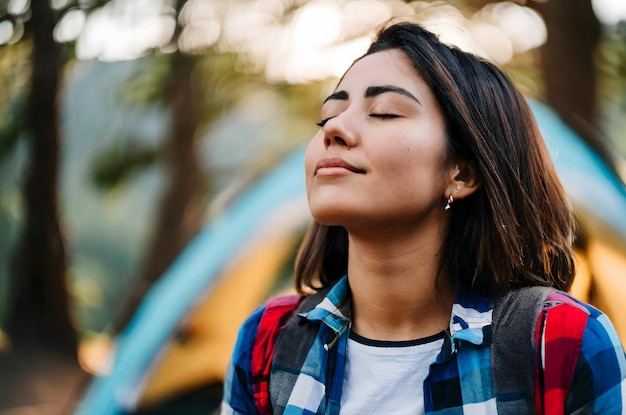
(329, 220)
(330, 217)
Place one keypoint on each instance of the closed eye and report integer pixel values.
(323, 122)
(384, 116)
(381, 116)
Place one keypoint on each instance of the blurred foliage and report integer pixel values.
(14, 75)
(111, 167)
(11, 125)
(525, 72)
(147, 87)
(225, 80)
(611, 61)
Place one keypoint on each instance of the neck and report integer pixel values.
(399, 289)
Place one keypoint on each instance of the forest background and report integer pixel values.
(125, 124)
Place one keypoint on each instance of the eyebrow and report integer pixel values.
(373, 91)
(338, 95)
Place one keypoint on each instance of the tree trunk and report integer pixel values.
(568, 66)
(180, 211)
(40, 372)
(568, 56)
(39, 316)
(569, 69)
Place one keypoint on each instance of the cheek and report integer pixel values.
(413, 160)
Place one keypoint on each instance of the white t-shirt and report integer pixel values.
(387, 378)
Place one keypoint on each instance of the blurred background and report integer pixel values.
(151, 192)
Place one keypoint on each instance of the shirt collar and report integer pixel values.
(471, 319)
(471, 314)
(334, 309)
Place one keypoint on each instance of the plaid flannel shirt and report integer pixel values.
(582, 371)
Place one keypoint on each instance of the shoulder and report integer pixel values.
(562, 317)
(566, 316)
(280, 305)
(582, 355)
(274, 315)
(271, 314)
(245, 382)
(565, 321)
(601, 349)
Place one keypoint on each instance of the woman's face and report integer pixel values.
(378, 158)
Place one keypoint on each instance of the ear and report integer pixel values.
(462, 180)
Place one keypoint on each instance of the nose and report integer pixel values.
(334, 140)
(338, 132)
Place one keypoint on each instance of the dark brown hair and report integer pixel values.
(517, 229)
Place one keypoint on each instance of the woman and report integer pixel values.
(435, 203)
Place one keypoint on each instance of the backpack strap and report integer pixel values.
(292, 348)
(278, 311)
(278, 316)
(514, 354)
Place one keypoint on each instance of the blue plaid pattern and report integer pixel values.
(460, 380)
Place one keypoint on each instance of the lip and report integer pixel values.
(335, 164)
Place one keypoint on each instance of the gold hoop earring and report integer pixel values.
(449, 202)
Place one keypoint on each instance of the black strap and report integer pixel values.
(514, 354)
(292, 348)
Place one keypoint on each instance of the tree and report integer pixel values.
(568, 65)
(40, 325)
(39, 315)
